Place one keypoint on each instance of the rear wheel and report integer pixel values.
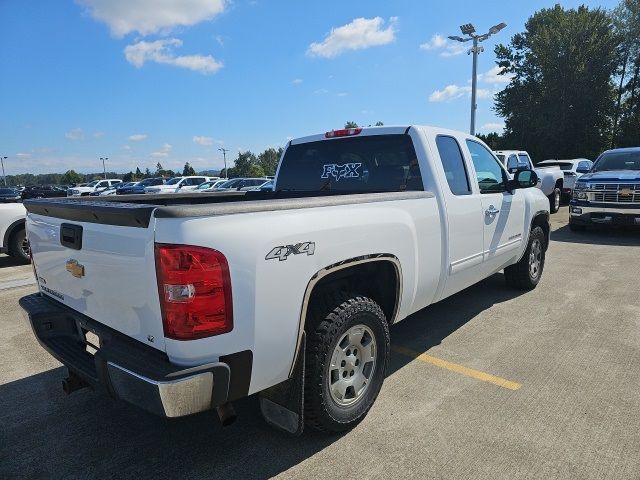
(19, 246)
(554, 200)
(526, 273)
(346, 358)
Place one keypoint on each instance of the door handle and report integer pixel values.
(491, 211)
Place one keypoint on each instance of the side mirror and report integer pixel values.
(524, 179)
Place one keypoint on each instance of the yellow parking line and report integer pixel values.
(454, 367)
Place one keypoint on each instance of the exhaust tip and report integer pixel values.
(226, 414)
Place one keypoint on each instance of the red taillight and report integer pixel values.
(346, 132)
(195, 291)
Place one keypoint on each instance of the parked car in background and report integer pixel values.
(9, 195)
(13, 240)
(210, 185)
(266, 186)
(572, 170)
(178, 184)
(107, 191)
(610, 193)
(551, 179)
(190, 312)
(43, 191)
(242, 184)
(139, 187)
(125, 185)
(92, 187)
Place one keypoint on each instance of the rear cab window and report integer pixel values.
(372, 163)
(455, 170)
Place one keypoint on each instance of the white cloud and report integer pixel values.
(98, 134)
(492, 127)
(343, 94)
(126, 147)
(321, 91)
(151, 16)
(75, 134)
(220, 40)
(202, 140)
(164, 151)
(447, 48)
(23, 155)
(161, 51)
(359, 34)
(451, 92)
(137, 137)
(493, 76)
(296, 81)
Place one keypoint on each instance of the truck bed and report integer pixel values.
(137, 210)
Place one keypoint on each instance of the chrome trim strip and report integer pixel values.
(377, 257)
(585, 209)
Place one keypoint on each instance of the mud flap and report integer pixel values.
(282, 405)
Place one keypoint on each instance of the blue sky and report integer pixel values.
(142, 81)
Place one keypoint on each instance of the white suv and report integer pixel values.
(95, 186)
(178, 184)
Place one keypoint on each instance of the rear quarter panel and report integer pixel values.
(10, 213)
(268, 294)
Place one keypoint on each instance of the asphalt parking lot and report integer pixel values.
(491, 383)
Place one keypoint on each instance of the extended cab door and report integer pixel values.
(463, 215)
(503, 211)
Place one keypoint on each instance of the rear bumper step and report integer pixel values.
(127, 369)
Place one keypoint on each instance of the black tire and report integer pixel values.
(521, 275)
(18, 246)
(331, 318)
(574, 227)
(555, 199)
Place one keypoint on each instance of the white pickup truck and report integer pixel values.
(550, 179)
(93, 187)
(182, 303)
(13, 240)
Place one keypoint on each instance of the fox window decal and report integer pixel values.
(347, 170)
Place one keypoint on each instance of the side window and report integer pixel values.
(584, 166)
(103, 183)
(512, 163)
(490, 175)
(453, 164)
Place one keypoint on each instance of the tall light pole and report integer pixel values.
(2, 159)
(469, 30)
(224, 155)
(104, 168)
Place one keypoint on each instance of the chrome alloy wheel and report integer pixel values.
(535, 259)
(556, 200)
(24, 247)
(352, 365)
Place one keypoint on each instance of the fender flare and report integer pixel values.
(320, 274)
(10, 231)
(546, 215)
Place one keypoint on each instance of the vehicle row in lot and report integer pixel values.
(364, 227)
(610, 193)
(551, 178)
(93, 187)
(571, 169)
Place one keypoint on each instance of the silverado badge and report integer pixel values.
(74, 268)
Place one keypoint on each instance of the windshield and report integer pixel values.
(204, 185)
(500, 157)
(173, 181)
(618, 161)
(93, 184)
(7, 191)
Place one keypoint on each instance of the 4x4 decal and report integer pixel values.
(282, 252)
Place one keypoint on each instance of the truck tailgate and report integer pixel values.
(104, 271)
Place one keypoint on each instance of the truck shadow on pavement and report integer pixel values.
(8, 261)
(46, 434)
(599, 235)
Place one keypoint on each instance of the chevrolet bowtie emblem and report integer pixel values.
(625, 192)
(74, 268)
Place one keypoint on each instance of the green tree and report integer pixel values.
(350, 124)
(159, 168)
(138, 173)
(626, 123)
(242, 165)
(379, 123)
(268, 161)
(71, 176)
(147, 173)
(188, 170)
(493, 140)
(128, 177)
(560, 99)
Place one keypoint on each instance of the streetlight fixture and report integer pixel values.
(104, 168)
(224, 155)
(4, 178)
(470, 30)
